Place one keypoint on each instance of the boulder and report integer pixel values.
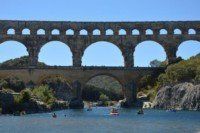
(76, 104)
(6, 101)
(180, 96)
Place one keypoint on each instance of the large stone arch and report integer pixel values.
(112, 77)
(3, 40)
(118, 48)
(105, 74)
(23, 48)
(188, 42)
(68, 48)
(159, 47)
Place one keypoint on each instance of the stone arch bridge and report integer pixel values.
(80, 35)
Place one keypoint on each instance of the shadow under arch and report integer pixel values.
(58, 48)
(188, 48)
(97, 47)
(18, 47)
(147, 51)
(105, 74)
(99, 78)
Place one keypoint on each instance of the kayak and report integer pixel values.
(89, 109)
(114, 114)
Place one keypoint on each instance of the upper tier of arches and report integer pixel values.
(100, 28)
(121, 32)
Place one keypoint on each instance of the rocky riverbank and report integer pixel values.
(9, 104)
(184, 96)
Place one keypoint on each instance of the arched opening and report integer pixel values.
(135, 32)
(163, 32)
(122, 32)
(109, 32)
(11, 50)
(188, 49)
(102, 54)
(40, 32)
(103, 87)
(25, 31)
(149, 32)
(148, 51)
(55, 32)
(191, 32)
(56, 53)
(83, 32)
(96, 32)
(177, 32)
(11, 31)
(69, 32)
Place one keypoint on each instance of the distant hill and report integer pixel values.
(18, 62)
(106, 82)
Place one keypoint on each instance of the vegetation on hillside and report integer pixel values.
(18, 62)
(183, 71)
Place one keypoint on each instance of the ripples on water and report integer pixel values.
(99, 121)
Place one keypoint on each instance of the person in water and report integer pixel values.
(141, 111)
(54, 115)
(114, 111)
(89, 107)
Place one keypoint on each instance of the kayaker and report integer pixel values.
(54, 115)
(140, 112)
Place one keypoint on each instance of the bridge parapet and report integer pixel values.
(48, 26)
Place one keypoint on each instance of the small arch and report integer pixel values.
(163, 32)
(26, 31)
(122, 32)
(191, 32)
(69, 32)
(55, 32)
(11, 31)
(83, 32)
(96, 32)
(40, 32)
(188, 49)
(177, 32)
(109, 32)
(135, 32)
(149, 32)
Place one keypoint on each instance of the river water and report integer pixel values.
(99, 121)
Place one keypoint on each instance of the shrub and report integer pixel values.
(103, 98)
(13, 83)
(44, 94)
(26, 95)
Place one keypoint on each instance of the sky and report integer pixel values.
(57, 53)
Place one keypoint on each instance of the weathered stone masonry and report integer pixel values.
(124, 37)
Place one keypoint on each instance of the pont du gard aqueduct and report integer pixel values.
(125, 35)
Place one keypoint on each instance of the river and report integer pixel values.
(99, 121)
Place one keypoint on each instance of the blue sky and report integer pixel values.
(56, 53)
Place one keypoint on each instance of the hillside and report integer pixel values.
(18, 62)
